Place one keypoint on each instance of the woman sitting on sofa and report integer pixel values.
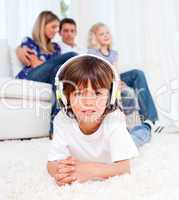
(45, 56)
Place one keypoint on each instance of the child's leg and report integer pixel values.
(141, 134)
(136, 79)
(129, 101)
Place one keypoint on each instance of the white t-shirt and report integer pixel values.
(110, 143)
(65, 48)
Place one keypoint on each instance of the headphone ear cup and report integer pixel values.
(58, 95)
(61, 98)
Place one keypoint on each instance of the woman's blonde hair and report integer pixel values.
(92, 40)
(38, 33)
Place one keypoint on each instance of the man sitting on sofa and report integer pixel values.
(68, 32)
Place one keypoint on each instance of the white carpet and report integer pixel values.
(155, 174)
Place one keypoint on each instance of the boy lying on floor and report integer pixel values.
(90, 136)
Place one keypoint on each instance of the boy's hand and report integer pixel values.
(64, 171)
(79, 171)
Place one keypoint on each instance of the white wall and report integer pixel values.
(18, 16)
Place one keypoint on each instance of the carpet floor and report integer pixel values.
(155, 174)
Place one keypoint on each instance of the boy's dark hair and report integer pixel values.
(67, 21)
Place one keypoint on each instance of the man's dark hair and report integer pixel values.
(67, 21)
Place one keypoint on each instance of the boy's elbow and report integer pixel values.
(124, 167)
(51, 168)
(127, 170)
(48, 167)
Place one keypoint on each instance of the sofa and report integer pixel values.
(25, 106)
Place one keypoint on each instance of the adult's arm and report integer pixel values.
(23, 54)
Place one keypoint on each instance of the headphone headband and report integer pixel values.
(59, 85)
(81, 56)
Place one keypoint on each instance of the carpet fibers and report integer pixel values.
(155, 174)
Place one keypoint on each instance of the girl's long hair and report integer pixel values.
(38, 33)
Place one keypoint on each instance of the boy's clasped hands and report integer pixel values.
(71, 170)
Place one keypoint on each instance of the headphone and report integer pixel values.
(60, 96)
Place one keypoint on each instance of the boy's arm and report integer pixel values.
(54, 167)
(84, 171)
(105, 171)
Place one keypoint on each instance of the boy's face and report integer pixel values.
(88, 104)
(68, 33)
